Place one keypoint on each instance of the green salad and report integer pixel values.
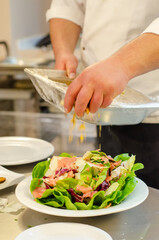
(93, 181)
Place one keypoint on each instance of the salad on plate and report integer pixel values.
(93, 181)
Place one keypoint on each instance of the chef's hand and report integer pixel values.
(68, 62)
(96, 86)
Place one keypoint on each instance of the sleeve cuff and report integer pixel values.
(153, 27)
(75, 16)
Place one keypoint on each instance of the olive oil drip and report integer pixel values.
(82, 128)
(72, 126)
(99, 135)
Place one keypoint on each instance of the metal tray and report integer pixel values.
(131, 107)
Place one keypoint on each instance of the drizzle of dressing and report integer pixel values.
(38, 192)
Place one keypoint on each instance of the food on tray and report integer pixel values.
(93, 181)
(2, 179)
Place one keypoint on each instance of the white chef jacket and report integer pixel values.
(107, 25)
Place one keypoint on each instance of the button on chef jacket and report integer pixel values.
(107, 25)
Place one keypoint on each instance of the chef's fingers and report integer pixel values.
(59, 65)
(82, 100)
(107, 100)
(71, 66)
(96, 101)
(71, 94)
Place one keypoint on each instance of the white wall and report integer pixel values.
(5, 31)
(22, 18)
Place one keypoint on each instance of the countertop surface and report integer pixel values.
(137, 223)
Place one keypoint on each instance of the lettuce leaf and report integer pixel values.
(60, 198)
(67, 183)
(36, 182)
(57, 198)
(138, 166)
(123, 157)
(128, 164)
(109, 199)
(126, 190)
(65, 155)
(121, 186)
(113, 187)
(94, 203)
(52, 197)
(92, 176)
(40, 169)
(96, 181)
(86, 175)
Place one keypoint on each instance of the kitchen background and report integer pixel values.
(24, 42)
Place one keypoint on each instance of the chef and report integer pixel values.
(119, 45)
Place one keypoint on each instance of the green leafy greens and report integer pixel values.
(94, 175)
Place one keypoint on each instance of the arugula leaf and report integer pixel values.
(98, 153)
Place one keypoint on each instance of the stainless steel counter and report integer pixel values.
(138, 223)
(54, 128)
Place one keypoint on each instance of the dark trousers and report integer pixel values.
(141, 140)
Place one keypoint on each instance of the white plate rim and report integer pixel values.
(49, 152)
(24, 196)
(59, 224)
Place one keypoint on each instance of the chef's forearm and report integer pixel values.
(64, 35)
(140, 56)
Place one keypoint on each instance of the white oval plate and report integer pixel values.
(23, 150)
(62, 230)
(23, 194)
(12, 178)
